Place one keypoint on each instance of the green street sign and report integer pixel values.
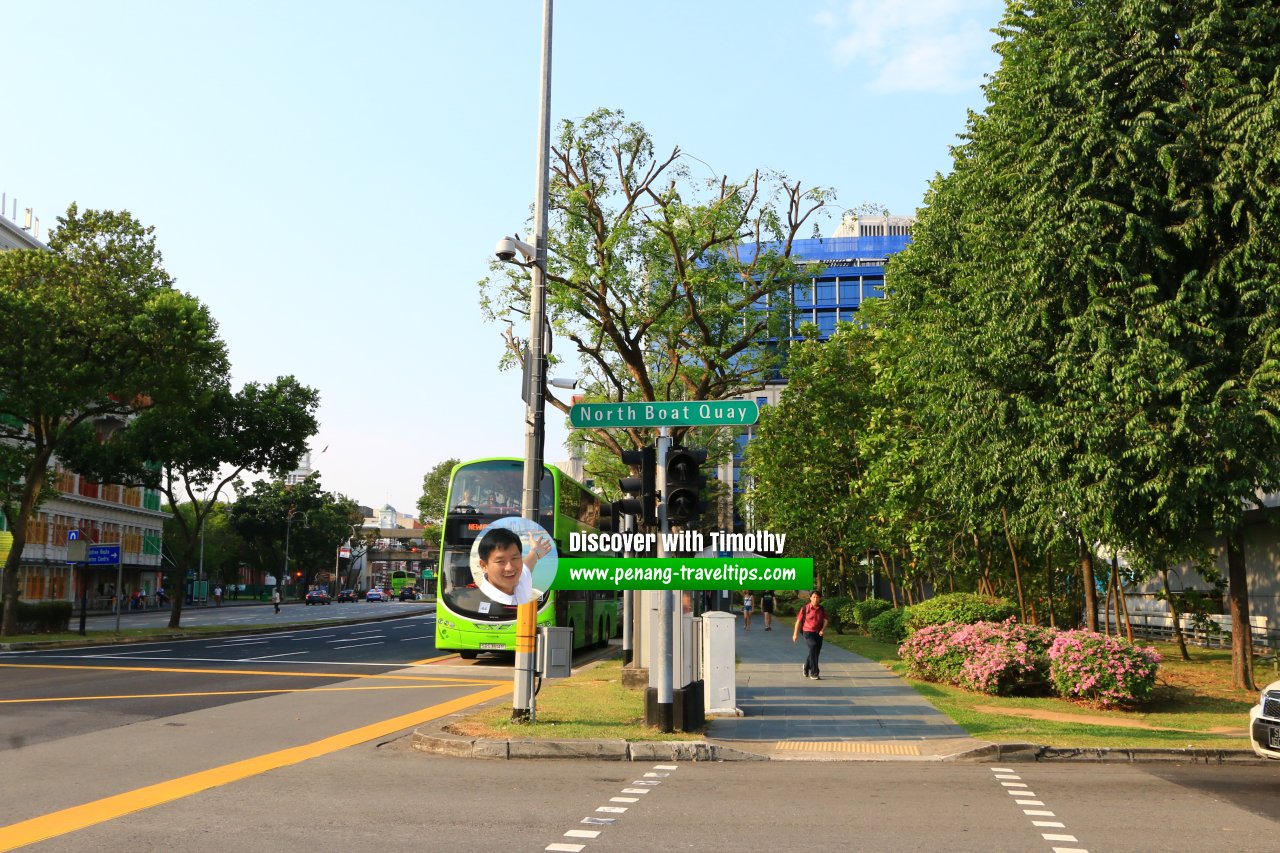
(692, 413)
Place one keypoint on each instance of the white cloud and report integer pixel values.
(913, 45)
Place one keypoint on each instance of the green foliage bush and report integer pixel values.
(835, 607)
(787, 603)
(890, 626)
(43, 617)
(1001, 659)
(963, 608)
(862, 612)
(1104, 670)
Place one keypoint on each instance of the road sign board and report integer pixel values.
(691, 413)
(104, 555)
(344, 551)
(73, 535)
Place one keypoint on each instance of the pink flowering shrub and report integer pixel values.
(1098, 668)
(998, 658)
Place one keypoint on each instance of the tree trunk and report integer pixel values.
(1106, 610)
(1048, 585)
(1123, 602)
(1017, 575)
(33, 483)
(1173, 612)
(888, 572)
(1241, 630)
(1086, 580)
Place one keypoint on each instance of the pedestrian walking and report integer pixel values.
(766, 607)
(748, 604)
(217, 596)
(275, 598)
(812, 621)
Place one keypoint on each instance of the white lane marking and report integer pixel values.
(624, 799)
(664, 767)
(1049, 824)
(1001, 769)
(1023, 793)
(1069, 850)
(413, 639)
(1014, 784)
(240, 644)
(565, 848)
(356, 646)
(635, 790)
(612, 809)
(285, 655)
(599, 821)
(656, 775)
(582, 833)
(1008, 776)
(1038, 813)
(1053, 836)
(307, 639)
(1029, 802)
(650, 782)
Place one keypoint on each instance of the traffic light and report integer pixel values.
(684, 485)
(611, 514)
(644, 487)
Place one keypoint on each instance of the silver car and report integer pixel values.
(1264, 722)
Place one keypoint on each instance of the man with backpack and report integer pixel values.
(812, 621)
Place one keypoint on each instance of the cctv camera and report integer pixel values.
(508, 246)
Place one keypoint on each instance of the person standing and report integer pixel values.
(217, 596)
(766, 607)
(812, 621)
(748, 604)
(275, 598)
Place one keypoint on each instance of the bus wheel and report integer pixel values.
(468, 654)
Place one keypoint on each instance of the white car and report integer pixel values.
(1264, 722)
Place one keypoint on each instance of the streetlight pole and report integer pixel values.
(522, 704)
(288, 523)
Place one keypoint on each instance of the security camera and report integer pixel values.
(508, 246)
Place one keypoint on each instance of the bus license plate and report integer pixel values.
(500, 647)
(1273, 737)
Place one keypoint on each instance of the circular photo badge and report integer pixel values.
(514, 560)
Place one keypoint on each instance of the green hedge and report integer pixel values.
(862, 612)
(43, 617)
(890, 626)
(835, 607)
(963, 608)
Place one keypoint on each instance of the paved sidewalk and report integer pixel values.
(858, 710)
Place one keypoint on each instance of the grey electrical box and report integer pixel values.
(555, 652)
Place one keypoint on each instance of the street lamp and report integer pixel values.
(288, 523)
(536, 370)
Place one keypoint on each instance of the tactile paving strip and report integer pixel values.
(847, 746)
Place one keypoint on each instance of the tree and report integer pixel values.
(317, 522)
(94, 334)
(208, 445)
(435, 489)
(668, 287)
(1103, 262)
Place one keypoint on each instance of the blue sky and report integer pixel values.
(330, 178)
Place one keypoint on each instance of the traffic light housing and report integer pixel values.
(684, 485)
(643, 488)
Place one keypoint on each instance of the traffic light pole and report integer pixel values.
(663, 660)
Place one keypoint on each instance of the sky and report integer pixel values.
(330, 178)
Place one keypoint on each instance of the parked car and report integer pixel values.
(345, 595)
(375, 595)
(1264, 722)
(318, 596)
(408, 594)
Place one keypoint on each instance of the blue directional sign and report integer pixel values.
(104, 555)
(73, 535)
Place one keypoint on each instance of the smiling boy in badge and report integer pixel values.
(508, 578)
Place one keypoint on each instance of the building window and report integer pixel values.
(804, 294)
(826, 323)
(827, 292)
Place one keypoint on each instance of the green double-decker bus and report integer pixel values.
(481, 492)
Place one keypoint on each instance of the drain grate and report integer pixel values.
(847, 746)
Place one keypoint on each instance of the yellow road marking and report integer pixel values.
(282, 673)
(109, 808)
(231, 693)
(431, 660)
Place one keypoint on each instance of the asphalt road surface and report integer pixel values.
(299, 741)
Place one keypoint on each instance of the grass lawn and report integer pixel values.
(592, 705)
(1195, 705)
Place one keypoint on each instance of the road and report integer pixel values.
(299, 741)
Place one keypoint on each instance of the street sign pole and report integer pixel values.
(119, 586)
(666, 647)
